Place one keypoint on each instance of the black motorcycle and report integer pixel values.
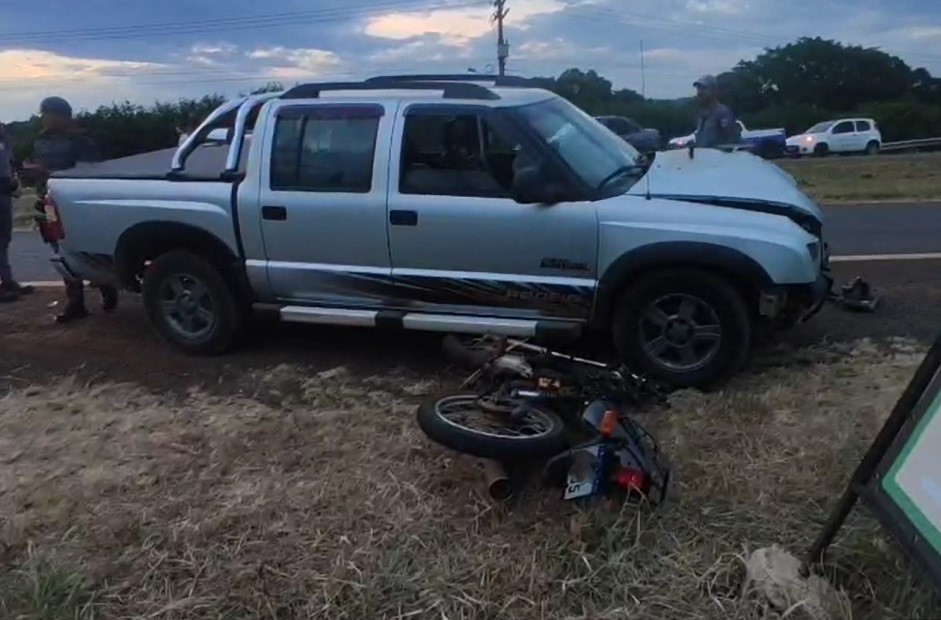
(526, 402)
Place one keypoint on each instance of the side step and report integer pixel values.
(450, 323)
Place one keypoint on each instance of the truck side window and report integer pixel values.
(325, 149)
(454, 155)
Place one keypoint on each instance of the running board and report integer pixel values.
(450, 323)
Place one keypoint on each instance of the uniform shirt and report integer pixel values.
(61, 151)
(717, 127)
(8, 183)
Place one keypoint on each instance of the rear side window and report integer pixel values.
(325, 149)
(863, 126)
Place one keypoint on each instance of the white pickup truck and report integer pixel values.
(438, 203)
(767, 143)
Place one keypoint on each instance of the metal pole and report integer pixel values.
(900, 413)
(643, 74)
(502, 47)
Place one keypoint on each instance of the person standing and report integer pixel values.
(716, 124)
(10, 289)
(60, 146)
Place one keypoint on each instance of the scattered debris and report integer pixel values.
(775, 575)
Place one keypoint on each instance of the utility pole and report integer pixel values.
(503, 47)
(643, 73)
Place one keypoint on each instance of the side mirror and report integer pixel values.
(217, 136)
(532, 186)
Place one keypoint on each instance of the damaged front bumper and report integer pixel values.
(796, 303)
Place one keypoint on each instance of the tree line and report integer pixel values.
(791, 86)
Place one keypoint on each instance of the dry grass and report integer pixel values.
(317, 497)
(23, 211)
(887, 177)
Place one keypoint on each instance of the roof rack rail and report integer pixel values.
(451, 90)
(497, 80)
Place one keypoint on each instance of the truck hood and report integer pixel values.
(736, 180)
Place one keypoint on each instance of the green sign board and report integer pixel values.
(899, 478)
(913, 479)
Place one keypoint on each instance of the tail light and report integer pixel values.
(51, 227)
(632, 480)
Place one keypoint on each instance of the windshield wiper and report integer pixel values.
(632, 169)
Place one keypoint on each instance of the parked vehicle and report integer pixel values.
(442, 204)
(848, 135)
(767, 143)
(644, 140)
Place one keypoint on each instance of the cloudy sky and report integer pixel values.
(97, 51)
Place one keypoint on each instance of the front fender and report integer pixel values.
(774, 264)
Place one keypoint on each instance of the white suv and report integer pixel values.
(848, 135)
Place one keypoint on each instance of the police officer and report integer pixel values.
(10, 289)
(60, 146)
(716, 125)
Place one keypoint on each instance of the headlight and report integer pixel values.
(809, 138)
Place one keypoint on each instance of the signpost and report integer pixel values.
(899, 478)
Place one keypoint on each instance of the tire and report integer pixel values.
(549, 442)
(770, 150)
(661, 301)
(183, 290)
(471, 352)
(872, 148)
(821, 150)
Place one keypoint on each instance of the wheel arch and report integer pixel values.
(147, 240)
(740, 270)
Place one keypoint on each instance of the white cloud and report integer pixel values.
(923, 33)
(214, 49)
(296, 63)
(713, 7)
(455, 27)
(30, 64)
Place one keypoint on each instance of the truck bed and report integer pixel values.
(205, 163)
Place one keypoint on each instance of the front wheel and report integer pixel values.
(190, 304)
(492, 427)
(683, 328)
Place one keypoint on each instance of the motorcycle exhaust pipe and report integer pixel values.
(498, 483)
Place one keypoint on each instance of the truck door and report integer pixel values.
(323, 203)
(460, 244)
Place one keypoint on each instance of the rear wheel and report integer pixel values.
(683, 327)
(491, 426)
(872, 148)
(190, 304)
(770, 150)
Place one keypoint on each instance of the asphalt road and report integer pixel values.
(851, 230)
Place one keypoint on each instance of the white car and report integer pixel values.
(847, 135)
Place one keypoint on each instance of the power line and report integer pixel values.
(247, 22)
(668, 24)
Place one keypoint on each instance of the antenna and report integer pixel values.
(643, 93)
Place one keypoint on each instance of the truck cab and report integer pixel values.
(441, 203)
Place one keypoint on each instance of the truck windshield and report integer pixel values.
(593, 152)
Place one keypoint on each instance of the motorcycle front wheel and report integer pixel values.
(492, 426)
